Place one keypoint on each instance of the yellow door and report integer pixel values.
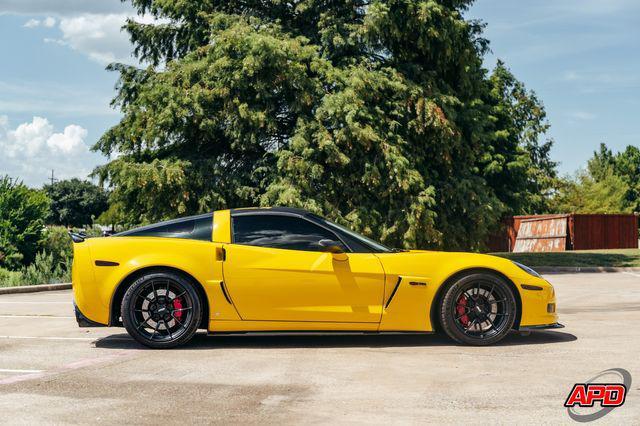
(294, 285)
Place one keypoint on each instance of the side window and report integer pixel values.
(283, 232)
(199, 228)
(185, 227)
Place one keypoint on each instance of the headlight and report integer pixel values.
(527, 269)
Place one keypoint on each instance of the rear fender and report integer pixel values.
(109, 261)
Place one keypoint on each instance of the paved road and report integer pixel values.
(51, 371)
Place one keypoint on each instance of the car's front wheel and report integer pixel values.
(161, 310)
(478, 309)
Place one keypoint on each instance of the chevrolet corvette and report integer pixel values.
(289, 270)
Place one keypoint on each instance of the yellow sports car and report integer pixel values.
(284, 269)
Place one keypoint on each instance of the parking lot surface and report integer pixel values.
(51, 371)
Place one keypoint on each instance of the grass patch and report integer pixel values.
(608, 258)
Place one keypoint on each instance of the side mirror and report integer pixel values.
(331, 246)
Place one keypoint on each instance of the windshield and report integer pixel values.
(375, 246)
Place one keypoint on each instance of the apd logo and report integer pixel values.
(607, 395)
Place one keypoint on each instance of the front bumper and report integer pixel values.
(82, 320)
(539, 308)
(541, 327)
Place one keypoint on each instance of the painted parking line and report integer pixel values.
(48, 338)
(14, 302)
(631, 273)
(64, 338)
(76, 365)
(11, 370)
(36, 316)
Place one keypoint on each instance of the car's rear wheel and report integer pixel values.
(161, 310)
(478, 309)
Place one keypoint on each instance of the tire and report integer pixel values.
(478, 309)
(161, 310)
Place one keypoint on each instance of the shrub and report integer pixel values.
(43, 270)
(10, 278)
(22, 213)
(56, 241)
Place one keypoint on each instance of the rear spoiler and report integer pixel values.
(77, 237)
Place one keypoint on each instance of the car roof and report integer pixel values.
(234, 212)
(269, 210)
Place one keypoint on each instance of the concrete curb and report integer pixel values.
(577, 269)
(34, 288)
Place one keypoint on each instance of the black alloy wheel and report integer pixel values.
(161, 310)
(478, 309)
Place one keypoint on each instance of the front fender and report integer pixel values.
(412, 304)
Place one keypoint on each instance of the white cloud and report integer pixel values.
(582, 115)
(98, 36)
(90, 27)
(28, 138)
(70, 141)
(33, 148)
(571, 76)
(49, 21)
(85, 26)
(594, 80)
(31, 23)
(38, 137)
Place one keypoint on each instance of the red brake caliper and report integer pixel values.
(461, 306)
(177, 304)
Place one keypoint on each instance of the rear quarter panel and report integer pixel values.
(94, 286)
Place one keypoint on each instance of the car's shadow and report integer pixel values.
(315, 340)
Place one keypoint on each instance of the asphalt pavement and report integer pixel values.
(52, 372)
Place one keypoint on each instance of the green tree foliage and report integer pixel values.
(625, 165)
(585, 194)
(377, 114)
(517, 163)
(114, 216)
(22, 218)
(610, 184)
(75, 202)
(602, 163)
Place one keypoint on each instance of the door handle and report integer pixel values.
(221, 254)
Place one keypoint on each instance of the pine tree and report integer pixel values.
(377, 114)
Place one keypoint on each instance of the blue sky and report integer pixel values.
(580, 56)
